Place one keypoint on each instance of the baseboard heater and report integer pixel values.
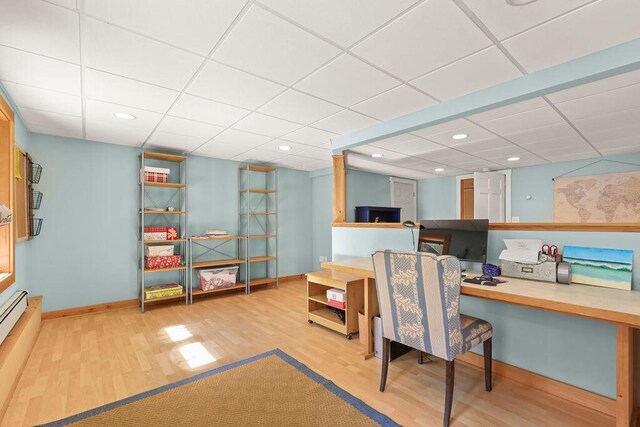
(11, 311)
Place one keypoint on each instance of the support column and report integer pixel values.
(339, 189)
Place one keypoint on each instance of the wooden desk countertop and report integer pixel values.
(604, 304)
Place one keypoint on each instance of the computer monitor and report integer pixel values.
(466, 239)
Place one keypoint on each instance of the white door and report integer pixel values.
(489, 196)
(403, 195)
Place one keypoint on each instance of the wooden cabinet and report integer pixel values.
(318, 309)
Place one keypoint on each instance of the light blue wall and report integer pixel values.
(437, 198)
(358, 242)
(22, 140)
(321, 215)
(86, 253)
(366, 189)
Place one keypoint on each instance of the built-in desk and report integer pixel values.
(607, 305)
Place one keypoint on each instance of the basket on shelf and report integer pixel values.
(36, 199)
(36, 171)
(36, 225)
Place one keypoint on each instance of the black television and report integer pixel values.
(466, 239)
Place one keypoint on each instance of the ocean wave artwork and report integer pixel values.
(610, 268)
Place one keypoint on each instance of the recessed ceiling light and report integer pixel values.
(125, 116)
(519, 2)
(377, 155)
(439, 169)
(513, 159)
(460, 136)
(284, 148)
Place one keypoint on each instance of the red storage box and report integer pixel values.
(158, 262)
(155, 233)
(337, 304)
(152, 174)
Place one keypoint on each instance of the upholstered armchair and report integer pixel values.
(419, 298)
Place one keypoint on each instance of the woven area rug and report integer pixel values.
(271, 389)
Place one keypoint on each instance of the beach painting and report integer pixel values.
(609, 268)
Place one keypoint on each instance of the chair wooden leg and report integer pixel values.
(487, 364)
(448, 397)
(386, 346)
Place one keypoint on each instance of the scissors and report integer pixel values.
(551, 250)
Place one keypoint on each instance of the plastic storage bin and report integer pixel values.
(217, 278)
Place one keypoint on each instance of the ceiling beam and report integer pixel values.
(599, 65)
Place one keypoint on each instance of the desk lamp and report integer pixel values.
(412, 225)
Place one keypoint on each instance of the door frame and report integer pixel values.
(414, 183)
(507, 190)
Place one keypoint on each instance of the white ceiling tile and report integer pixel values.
(172, 141)
(602, 85)
(387, 155)
(43, 99)
(299, 107)
(112, 49)
(606, 136)
(573, 156)
(102, 125)
(273, 48)
(504, 20)
(225, 84)
(204, 110)
(456, 127)
(34, 70)
(553, 154)
(540, 117)
(47, 119)
(274, 145)
(394, 103)
(75, 132)
(100, 131)
(178, 126)
(40, 27)
(484, 69)
(345, 121)
(258, 155)
(266, 125)
(219, 150)
(617, 120)
(346, 81)
(508, 110)
(544, 133)
(478, 147)
(318, 154)
(414, 147)
(598, 26)
(627, 144)
(311, 136)
(121, 90)
(196, 25)
(239, 138)
(69, 4)
(432, 35)
(602, 103)
(343, 22)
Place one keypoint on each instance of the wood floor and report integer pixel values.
(83, 362)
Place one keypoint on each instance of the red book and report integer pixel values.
(337, 304)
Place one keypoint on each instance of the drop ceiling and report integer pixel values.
(238, 79)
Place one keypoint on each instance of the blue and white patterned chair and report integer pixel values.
(419, 298)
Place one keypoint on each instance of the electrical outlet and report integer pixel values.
(515, 219)
(323, 259)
